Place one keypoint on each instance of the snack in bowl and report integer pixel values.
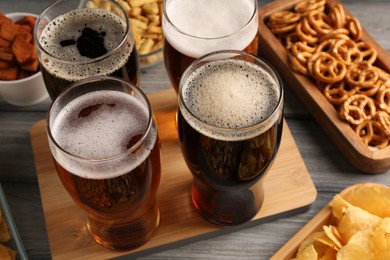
(21, 82)
(325, 44)
(358, 228)
(145, 18)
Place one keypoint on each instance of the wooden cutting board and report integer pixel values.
(288, 190)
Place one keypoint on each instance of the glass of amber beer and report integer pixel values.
(195, 28)
(76, 40)
(230, 122)
(106, 151)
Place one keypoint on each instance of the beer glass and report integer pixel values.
(230, 125)
(103, 138)
(195, 28)
(75, 42)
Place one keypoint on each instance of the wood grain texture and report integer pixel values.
(288, 189)
(356, 152)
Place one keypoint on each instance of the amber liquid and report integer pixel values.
(122, 211)
(129, 72)
(176, 62)
(227, 186)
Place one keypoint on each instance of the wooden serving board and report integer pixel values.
(288, 190)
(354, 150)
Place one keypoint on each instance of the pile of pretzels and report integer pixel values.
(325, 44)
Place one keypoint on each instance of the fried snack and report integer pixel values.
(326, 45)
(18, 58)
(145, 18)
(358, 228)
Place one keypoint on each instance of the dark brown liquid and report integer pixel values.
(226, 188)
(129, 72)
(123, 212)
(176, 62)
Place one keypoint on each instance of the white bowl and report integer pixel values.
(23, 92)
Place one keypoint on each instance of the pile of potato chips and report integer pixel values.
(359, 227)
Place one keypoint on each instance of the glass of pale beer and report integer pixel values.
(195, 28)
(104, 141)
(75, 41)
(230, 121)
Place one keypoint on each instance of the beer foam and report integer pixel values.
(70, 26)
(209, 22)
(230, 94)
(109, 120)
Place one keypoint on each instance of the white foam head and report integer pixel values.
(203, 26)
(230, 94)
(103, 135)
(66, 62)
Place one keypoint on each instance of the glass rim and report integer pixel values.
(76, 84)
(253, 16)
(128, 33)
(276, 110)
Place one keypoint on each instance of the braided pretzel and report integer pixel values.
(372, 134)
(357, 108)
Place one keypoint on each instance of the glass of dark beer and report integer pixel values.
(104, 141)
(75, 42)
(195, 28)
(230, 122)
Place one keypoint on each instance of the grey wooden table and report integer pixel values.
(329, 170)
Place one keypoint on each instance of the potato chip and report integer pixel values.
(374, 198)
(381, 239)
(352, 252)
(309, 253)
(334, 235)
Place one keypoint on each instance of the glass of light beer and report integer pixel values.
(75, 41)
(195, 28)
(230, 121)
(104, 141)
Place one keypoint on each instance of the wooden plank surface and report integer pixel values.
(288, 190)
(356, 152)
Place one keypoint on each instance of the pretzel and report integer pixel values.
(337, 16)
(338, 93)
(384, 119)
(290, 39)
(309, 5)
(383, 99)
(357, 108)
(283, 18)
(297, 65)
(340, 33)
(305, 33)
(361, 75)
(372, 134)
(319, 21)
(369, 53)
(326, 68)
(345, 50)
(354, 27)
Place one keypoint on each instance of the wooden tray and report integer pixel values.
(288, 190)
(323, 217)
(357, 153)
